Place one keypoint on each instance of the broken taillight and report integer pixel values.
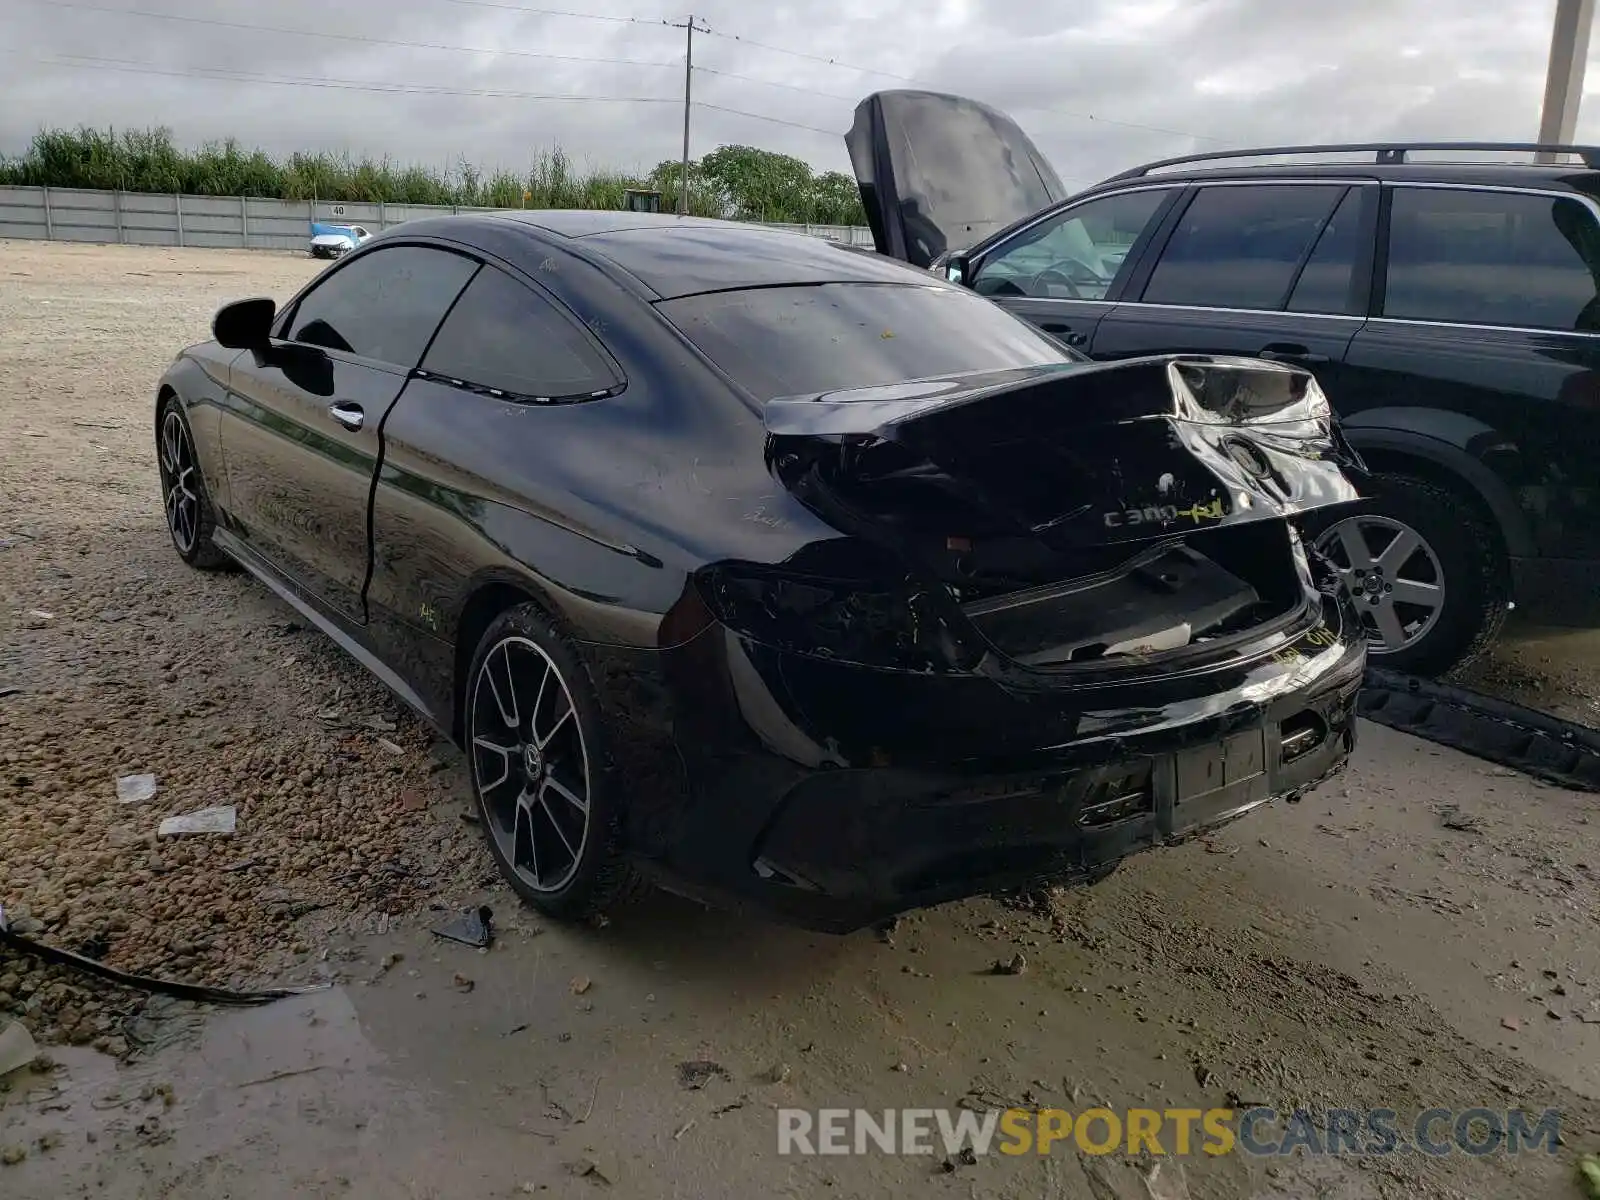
(873, 623)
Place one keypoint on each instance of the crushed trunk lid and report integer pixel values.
(1083, 512)
(939, 172)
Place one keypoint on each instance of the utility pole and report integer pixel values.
(689, 31)
(1563, 87)
(688, 102)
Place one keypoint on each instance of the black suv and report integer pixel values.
(1450, 310)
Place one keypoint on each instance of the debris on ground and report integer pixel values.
(1017, 964)
(135, 789)
(1451, 817)
(778, 1073)
(17, 1048)
(218, 819)
(10, 1156)
(462, 983)
(1510, 1023)
(475, 928)
(1589, 1176)
(581, 984)
(586, 1168)
(693, 1076)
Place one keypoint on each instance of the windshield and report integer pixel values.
(788, 341)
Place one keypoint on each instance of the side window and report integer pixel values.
(1325, 281)
(1492, 258)
(505, 336)
(384, 305)
(1240, 246)
(1076, 255)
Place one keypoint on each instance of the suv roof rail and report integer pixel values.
(1385, 153)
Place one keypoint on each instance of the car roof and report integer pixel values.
(1534, 175)
(670, 256)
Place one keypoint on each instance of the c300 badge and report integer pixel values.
(1164, 514)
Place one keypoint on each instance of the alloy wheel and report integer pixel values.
(178, 481)
(530, 763)
(1393, 576)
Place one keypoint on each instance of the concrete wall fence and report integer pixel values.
(235, 222)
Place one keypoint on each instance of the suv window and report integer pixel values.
(1240, 246)
(505, 336)
(383, 305)
(1492, 258)
(792, 341)
(1325, 281)
(1076, 255)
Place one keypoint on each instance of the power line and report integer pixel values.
(556, 12)
(845, 66)
(818, 58)
(220, 75)
(793, 87)
(739, 112)
(342, 37)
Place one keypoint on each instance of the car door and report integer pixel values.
(1276, 269)
(1064, 271)
(301, 440)
(495, 399)
(1484, 352)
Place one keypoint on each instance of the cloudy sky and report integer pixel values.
(1099, 84)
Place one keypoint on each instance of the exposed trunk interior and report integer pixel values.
(1136, 511)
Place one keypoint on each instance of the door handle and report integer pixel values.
(348, 415)
(1066, 334)
(1290, 353)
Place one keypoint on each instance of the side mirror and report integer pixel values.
(956, 268)
(245, 324)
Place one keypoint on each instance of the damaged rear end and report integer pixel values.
(1082, 521)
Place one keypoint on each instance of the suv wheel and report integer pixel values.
(1426, 572)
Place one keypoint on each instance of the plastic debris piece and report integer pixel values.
(475, 928)
(201, 993)
(219, 818)
(17, 1048)
(135, 789)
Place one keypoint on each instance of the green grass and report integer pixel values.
(148, 161)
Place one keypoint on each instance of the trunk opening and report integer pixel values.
(1084, 519)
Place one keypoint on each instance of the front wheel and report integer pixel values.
(1427, 572)
(190, 517)
(541, 769)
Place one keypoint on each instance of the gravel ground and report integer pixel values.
(126, 662)
(1421, 931)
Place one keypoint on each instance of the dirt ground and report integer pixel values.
(1421, 932)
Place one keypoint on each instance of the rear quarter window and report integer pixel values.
(1493, 258)
(787, 341)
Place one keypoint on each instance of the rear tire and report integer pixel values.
(1457, 552)
(190, 518)
(540, 759)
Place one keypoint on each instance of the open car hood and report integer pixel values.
(940, 172)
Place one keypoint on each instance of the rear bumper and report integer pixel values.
(833, 797)
(852, 847)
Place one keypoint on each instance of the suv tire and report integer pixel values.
(1458, 547)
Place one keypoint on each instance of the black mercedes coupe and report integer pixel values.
(786, 577)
